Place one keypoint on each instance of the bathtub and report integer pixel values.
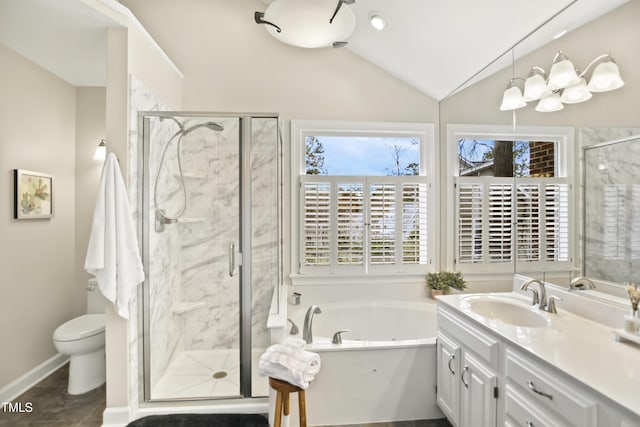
(385, 368)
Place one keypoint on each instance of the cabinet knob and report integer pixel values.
(453, 356)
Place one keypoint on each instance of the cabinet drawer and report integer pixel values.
(543, 386)
(524, 412)
(481, 343)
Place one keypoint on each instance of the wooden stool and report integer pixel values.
(284, 388)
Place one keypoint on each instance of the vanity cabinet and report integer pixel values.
(539, 396)
(466, 375)
(486, 380)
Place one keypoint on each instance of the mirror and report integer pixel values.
(611, 203)
(607, 116)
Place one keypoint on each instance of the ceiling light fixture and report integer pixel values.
(377, 21)
(310, 23)
(563, 85)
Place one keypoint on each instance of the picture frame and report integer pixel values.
(32, 195)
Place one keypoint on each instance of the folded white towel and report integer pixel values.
(295, 342)
(293, 365)
(113, 255)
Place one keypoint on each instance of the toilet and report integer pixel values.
(82, 339)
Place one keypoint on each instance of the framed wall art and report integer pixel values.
(32, 195)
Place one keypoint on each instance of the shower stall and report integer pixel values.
(211, 227)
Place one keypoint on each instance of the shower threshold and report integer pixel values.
(202, 374)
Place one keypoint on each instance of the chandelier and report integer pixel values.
(563, 84)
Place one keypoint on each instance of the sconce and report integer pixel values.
(101, 151)
(309, 24)
(563, 85)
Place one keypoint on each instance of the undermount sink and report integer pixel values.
(506, 310)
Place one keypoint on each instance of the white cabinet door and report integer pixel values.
(448, 377)
(478, 398)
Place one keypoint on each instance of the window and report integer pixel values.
(364, 197)
(512, 201)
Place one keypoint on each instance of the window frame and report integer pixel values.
(565, 168)
(424, 132)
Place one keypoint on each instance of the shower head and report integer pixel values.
(210, 125)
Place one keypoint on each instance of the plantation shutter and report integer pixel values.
(470, 220)
(382, 223)
(500, 222)
(414, 223)
(614, 220)
(316, 223)
(350, 224)
(488, 208)
(557, 222)
(634, 239)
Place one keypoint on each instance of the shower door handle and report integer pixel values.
(232, 259)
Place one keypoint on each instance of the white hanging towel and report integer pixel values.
(113, 256)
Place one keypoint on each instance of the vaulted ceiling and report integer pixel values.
(437, 47)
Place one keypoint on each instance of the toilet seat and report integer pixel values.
(81, 327)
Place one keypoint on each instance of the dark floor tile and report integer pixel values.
(57, 379)
(51, 405)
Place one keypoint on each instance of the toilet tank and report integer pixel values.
(96, 302)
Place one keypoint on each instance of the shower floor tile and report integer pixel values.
(207, 373)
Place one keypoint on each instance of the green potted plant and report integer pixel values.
(440, 282)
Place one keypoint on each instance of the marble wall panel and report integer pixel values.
(264, 218)
(162, 274)
(611, 202)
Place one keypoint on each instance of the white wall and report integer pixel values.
(90, 118)
(37, 257)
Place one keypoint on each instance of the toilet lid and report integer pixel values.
(81, 327)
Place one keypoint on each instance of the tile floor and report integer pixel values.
(53, 406)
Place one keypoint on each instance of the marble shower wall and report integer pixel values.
(165, 329)
(210, 297)
(264, 220)
(194, 303)
(611, 203)
(142, 99)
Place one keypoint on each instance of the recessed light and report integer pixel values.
(377, 21)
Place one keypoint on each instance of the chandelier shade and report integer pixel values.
(562, 73)
(512, 98)
(535, 86)
(576, 93)
(309, 23)
(605, 77)
(549, 103)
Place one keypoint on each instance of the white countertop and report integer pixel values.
(583, 349)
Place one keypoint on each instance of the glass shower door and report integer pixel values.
(192, 237)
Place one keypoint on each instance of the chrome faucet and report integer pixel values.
(543, 292)
(294, 328)
(580, 284)
(307, 334)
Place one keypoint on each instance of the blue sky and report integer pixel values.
(366, 155)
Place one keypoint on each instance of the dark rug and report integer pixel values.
(201, 420)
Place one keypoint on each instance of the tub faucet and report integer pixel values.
(581, 283)
(307, 334)
(294, 328)
(543, 292)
